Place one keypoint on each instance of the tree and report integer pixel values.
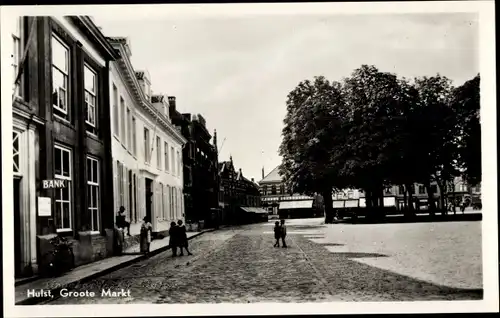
(373, 100)
(466, 99)
(311, 134)
(435, 134)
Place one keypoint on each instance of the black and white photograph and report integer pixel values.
(272, 158)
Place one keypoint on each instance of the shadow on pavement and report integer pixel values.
(418, 219)
(364, 282)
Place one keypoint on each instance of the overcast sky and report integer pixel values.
(237, 72)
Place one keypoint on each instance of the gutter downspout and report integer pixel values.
(29, 195)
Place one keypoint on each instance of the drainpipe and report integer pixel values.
(29, 195)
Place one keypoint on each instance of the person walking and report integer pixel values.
(277, 233)
(121, 221)
(174, 237)
(146, 230)
(182, 238)
(283, 233)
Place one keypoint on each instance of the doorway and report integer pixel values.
(17, 227)
(149, 197)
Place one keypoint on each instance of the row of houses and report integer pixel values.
(277, 200)
(89, 135)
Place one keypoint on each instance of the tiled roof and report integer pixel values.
(272, 176)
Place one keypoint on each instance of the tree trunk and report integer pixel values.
(327, 197)
(430, 196)
(444, 206)
(410, 198)
(405, 199)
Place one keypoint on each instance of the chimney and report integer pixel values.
(262, 172)
(215, 139)
(253, 180)
(171, 102)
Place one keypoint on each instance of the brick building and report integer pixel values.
(199, 167)
(239, 197)
(61, 131)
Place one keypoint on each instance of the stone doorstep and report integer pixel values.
(89, 271)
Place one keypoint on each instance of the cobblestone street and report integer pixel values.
(240, 265)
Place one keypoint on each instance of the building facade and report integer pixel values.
(199, 167)
(277, 200)
(61, 134)
(239, 197)
(146, 147)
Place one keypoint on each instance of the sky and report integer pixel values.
(238, 71)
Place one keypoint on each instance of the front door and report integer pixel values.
(149, 197)
(17, 227)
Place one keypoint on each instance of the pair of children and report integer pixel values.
(280, 232)
(178, 238)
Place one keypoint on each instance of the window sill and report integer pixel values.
(93, 136)
(64, 230)
(63, 121)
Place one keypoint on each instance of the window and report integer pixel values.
(116, 112)
(388, 190)
(17, 50)
(412, 189)
(162, 201)
(60, 76)
(179, 164)
(123, 135)
(421, 189)
(15, 148)
(146, 145)
(264, 189)
(166, 156)
(350, 194)
(90, 83)
(63, 197)
(93, 192)
(172, 157)
(129, 131)
(121, 191)
(134, 138)
(273, 189)
(282, 189)
(158, 152)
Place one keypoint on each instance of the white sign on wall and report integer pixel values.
(44, 206)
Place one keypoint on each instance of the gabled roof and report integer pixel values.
(272, 176)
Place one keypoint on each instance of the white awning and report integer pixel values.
(362, 202)
(389, 201)
(306, 204)
(338, 204)
(351, 203)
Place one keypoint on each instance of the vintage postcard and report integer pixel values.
(211, 159)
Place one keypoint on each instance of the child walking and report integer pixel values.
(283, 233)
(174, 238)
(277, 233)
(183, 241)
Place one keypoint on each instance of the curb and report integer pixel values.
(55, 291)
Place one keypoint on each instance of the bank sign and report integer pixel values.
(54, 184)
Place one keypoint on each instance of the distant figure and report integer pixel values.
(283, 233)
(146, 230)
(277, 233)
(182, 238)
(121, 220)
(462, 207)
(174, 236)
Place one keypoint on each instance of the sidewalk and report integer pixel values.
(90, 271)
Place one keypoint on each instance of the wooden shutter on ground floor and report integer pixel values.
(115, 187)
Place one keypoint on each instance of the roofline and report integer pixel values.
(267, 175)
(87, 26)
